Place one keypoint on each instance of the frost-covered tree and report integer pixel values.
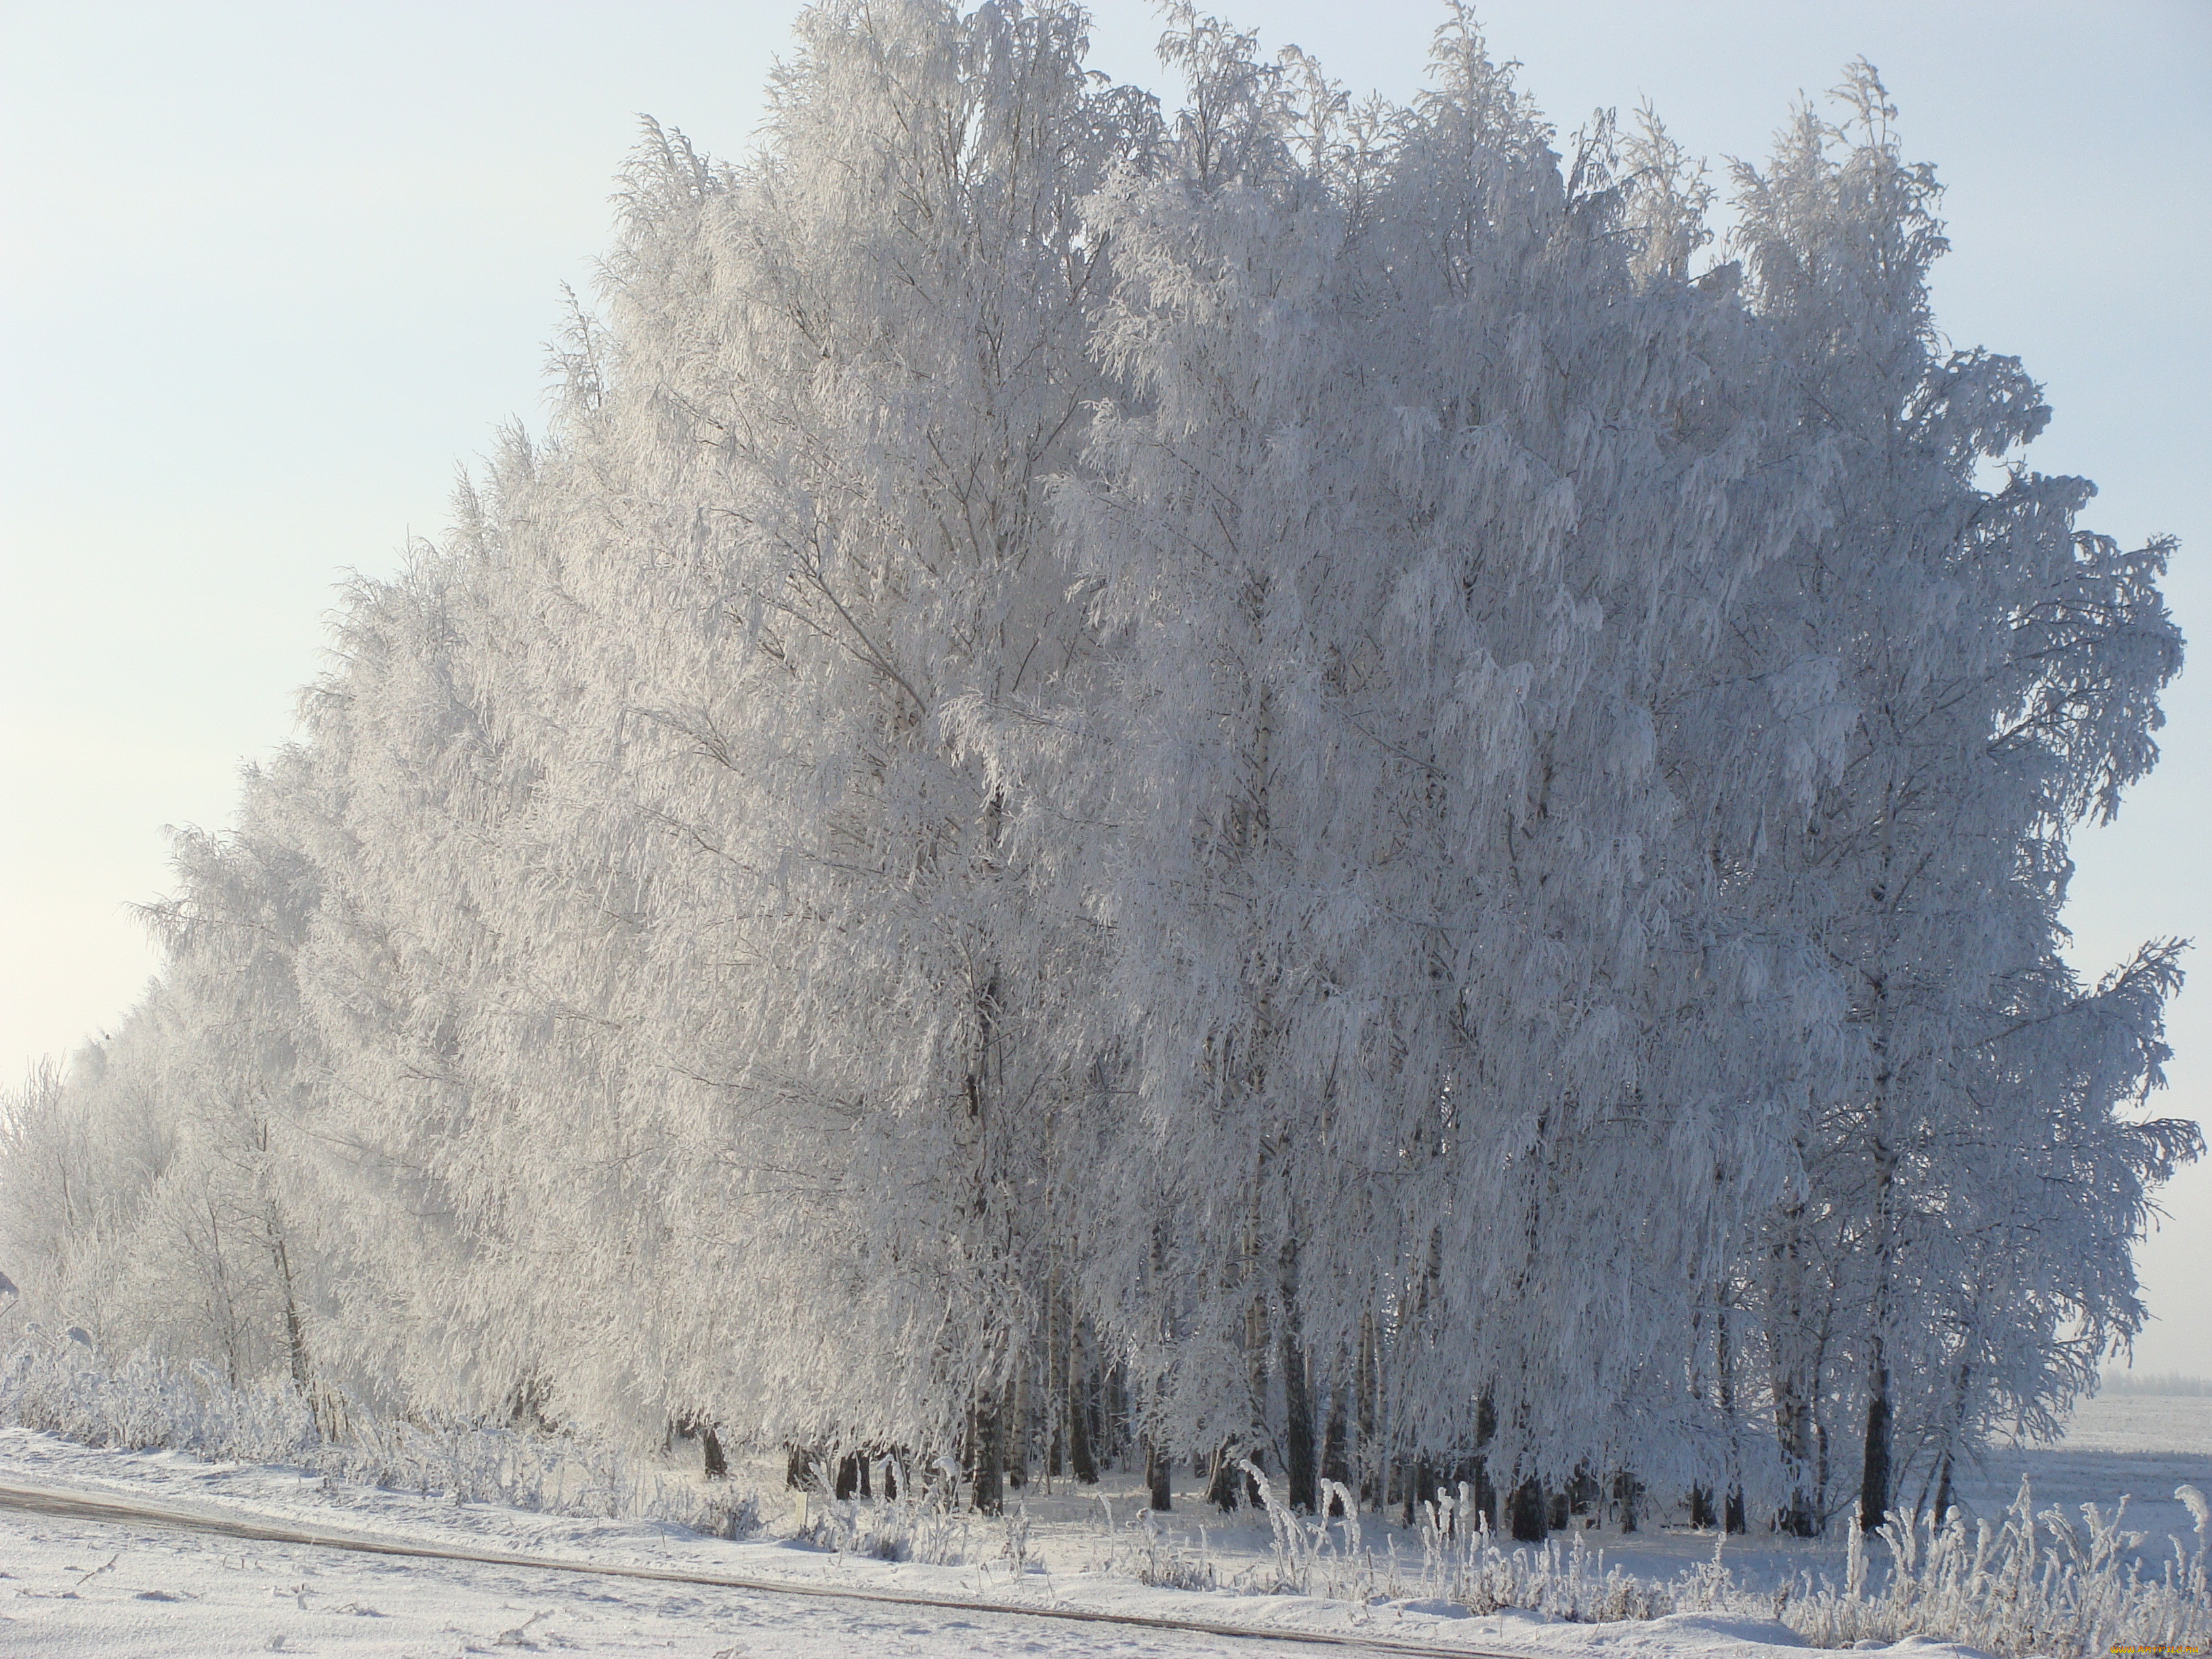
(793, 532)
(1406, 522)
(2003, 671)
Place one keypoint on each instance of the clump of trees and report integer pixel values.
(1284, 779)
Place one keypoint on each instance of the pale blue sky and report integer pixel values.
(268, 271)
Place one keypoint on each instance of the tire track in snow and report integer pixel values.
(43, 1498)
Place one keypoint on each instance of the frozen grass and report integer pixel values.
(923, 1525)
(149, 1403)
(2035, 1582)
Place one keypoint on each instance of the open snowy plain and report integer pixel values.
(155, 1583)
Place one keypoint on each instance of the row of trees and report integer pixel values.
(1279, 781)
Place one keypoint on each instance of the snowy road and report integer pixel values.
(88, 1572)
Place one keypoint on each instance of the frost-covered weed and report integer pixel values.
(1461, 1563)
(1141, 1549)
(922, 1524)
(2032, 1584)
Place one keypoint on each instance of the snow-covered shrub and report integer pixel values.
(57, 1389)
(923, 1523)
(1461, 1563)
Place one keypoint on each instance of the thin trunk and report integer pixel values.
(1733, 1520)
(1300, 1473)
(1875, 1469)
(1792, 1388)
(1055, 1395)
(1627, 1500)
(1335, 1448)
(1370, 1390)
(1874, 1477)
(1115, 1413)
(1018, 1427)
(295, 1330)
(1958, 1394)
(1080, 1457)
(988, 1454)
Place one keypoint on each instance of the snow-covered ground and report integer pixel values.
(73, 1585)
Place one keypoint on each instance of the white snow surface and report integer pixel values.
(71, 1585)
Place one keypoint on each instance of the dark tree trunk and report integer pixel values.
(1335, 1452)
(1016, 1416)
(1701, 1507)
(1303, 1470)
(1582, 1489)
(1080, 1456)
(1301, 1473)
(1627, 1499)
(798, 1467)
(710, 1452)
(852, 1475)
(1733, 1519)
(1115, 1412)
(1875, 1470)
(1420, 1488)
(1159, 1475)
(1793, 1385)
(988, 1455)
(1874, 1480)
(1222, 1485)
(1229, 1485)
(1486, 1430)
(1962, 1383)
(1368, 1387)
(1528, 1515)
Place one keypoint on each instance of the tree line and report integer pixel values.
(1278, 779)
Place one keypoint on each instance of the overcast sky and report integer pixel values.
(272, 272)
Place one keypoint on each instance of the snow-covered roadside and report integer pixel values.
(77, 1585)
(71, 1584)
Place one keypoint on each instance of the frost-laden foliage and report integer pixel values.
(1270, 779)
